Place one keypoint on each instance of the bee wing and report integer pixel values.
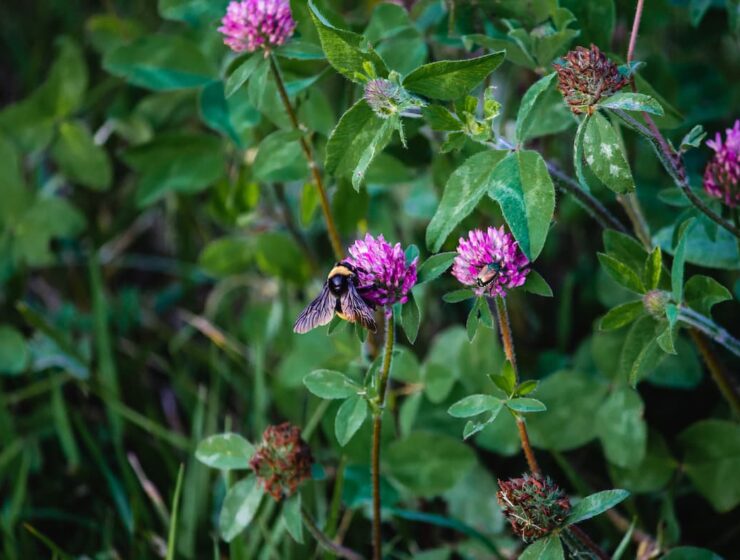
(356, 310)
(319, 312)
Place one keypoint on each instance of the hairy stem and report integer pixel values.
(326, 542)
(308, 153)
(728, 390)
(632, 207)
(709, 328)
(377, 425)
(670, 158)
(586, 541)
(508, 342)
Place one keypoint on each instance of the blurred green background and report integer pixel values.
(157, 240)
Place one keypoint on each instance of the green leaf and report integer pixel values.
(240, 505)
(428, 463)
(228, 255)
(185, 163)
(280, 158)
(300, 50)
(30, 122)
(506, 380)
(344, 49)
(523, 404)
(621, 273)
(626, 249)
(651, 474)
(465, 188)
(358, 130)
(712, 252)
(536, 284)
(523, 188)
(375, 145)
(161, 62)
(701, 293)
(79, 158)
(621, 315)
(472, 405)
(712, 461)
(526, 117)
(691, 552)
(621, 427)
(692, 139)
(410, 318)
(566, 426)
(458, 296)
(329, 384)
(595, 504)
(640, 353)
(628, 101)
(292, 517)
(603, 152)
(578, 155)
(215, 112)
(547, 548)
(350, 417)
(242, 73)
(653, 269)
(225, 451)
(440, 118)
(14, 355)
(448, 80)
(679, 258)
(526, 387)
(435, 266)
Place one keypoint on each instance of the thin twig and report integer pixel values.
(377, 426)
(308, 153)
(326, 542)
(728, 390)
(635, 29)
(508, 343)
(581, 535)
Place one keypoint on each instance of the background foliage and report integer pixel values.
(158, 236)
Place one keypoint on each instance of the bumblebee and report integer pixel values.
(341, 294)
(488, 274)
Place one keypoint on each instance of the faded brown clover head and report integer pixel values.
(534, 506)
(586, 76)
(282, 460)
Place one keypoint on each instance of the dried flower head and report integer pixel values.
(384, 97)
(384, 275)
(587, 76)
(722, 174)
(534, 506)
(251, 24)
(282, 461)
(491, 261)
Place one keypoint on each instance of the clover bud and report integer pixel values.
(655, 301)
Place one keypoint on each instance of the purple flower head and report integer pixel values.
(491, 261)
(722, 174)
(251, 24)
(384, 275)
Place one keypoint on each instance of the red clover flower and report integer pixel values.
(534, 506)
(384, 275)
(282, 461)
(252, 24)
(722, 174)
(491, 261)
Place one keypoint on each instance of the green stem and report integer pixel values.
(717, 371)
(382, 386)
(710, 328)
(508, 342)
(308, 153)
(326, 542)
